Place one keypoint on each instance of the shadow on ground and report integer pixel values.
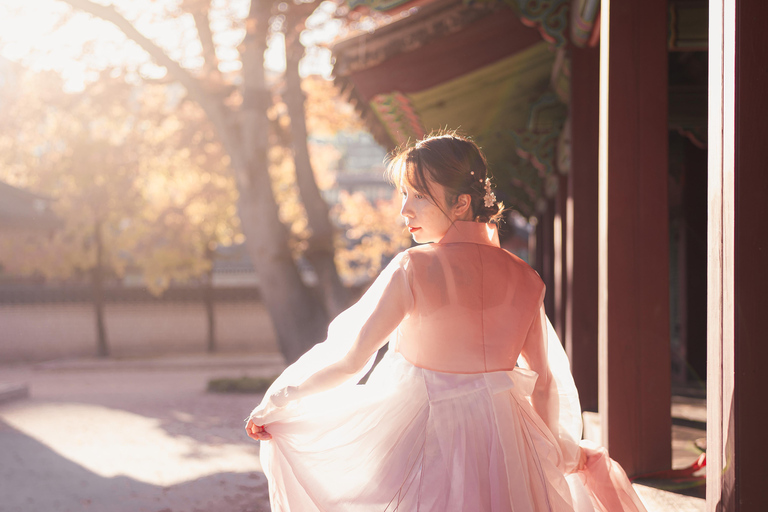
(33, 477)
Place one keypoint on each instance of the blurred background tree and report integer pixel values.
(181, 117)
(130, 197)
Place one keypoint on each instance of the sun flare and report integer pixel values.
(50, 35)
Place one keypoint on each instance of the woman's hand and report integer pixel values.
(257, 432)
(267, 408)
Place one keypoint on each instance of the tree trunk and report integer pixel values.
(97, 287)
(298, 316)
(320, 249)
(209, 304)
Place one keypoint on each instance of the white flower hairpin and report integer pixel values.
(490, 197)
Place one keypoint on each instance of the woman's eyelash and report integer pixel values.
(404, 193)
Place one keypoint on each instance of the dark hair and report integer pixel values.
(453, 161)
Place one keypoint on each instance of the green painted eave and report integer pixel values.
(491, 99)
(493, 105)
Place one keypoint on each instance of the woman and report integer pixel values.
(473, 407)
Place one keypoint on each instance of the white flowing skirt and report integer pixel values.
(413, 440)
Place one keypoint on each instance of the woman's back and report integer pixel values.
(473, 303)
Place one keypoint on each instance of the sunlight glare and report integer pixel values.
(32, 34)
(49, 35)
(112, 442)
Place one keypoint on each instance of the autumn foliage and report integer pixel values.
(192, 145)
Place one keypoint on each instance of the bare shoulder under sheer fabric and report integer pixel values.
(473, 303)
(472, 408)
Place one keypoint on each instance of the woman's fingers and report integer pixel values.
(257, 432)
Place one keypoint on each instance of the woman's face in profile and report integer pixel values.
(426, 221)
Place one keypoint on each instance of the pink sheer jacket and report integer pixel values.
(473, 305)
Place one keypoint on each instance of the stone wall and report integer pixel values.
(55, 330)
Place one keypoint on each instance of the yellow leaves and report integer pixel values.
(324, 159)
(376, 233)
(327, 112)
(291, 209)
(167, 264)
(145, 164)
(196, 212)
(156, 180)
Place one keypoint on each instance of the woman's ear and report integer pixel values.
(462, 207)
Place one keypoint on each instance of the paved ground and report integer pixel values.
(130, 436)
(145, 436)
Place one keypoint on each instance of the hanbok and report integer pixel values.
(472, 409)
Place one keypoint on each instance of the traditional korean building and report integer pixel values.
(629, 131)
(23, 210)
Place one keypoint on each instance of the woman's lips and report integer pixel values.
(412, 228)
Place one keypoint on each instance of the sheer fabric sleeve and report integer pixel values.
(555, 399)
(554, 396)
(388, 298)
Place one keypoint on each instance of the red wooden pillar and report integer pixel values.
(581, 226)
(633, 293)
(560, 249)
(545, 257)
(737, 253)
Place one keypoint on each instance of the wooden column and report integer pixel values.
(545, 257)
(560, 250)
(738, 252)
(633, 294)
(581, 226)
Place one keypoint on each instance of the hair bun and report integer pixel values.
(452, 161)
(493, 213)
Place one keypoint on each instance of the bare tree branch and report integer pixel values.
(209, 103)
(199, 10)
(296, 16)
(108, 13)
(320, 250)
